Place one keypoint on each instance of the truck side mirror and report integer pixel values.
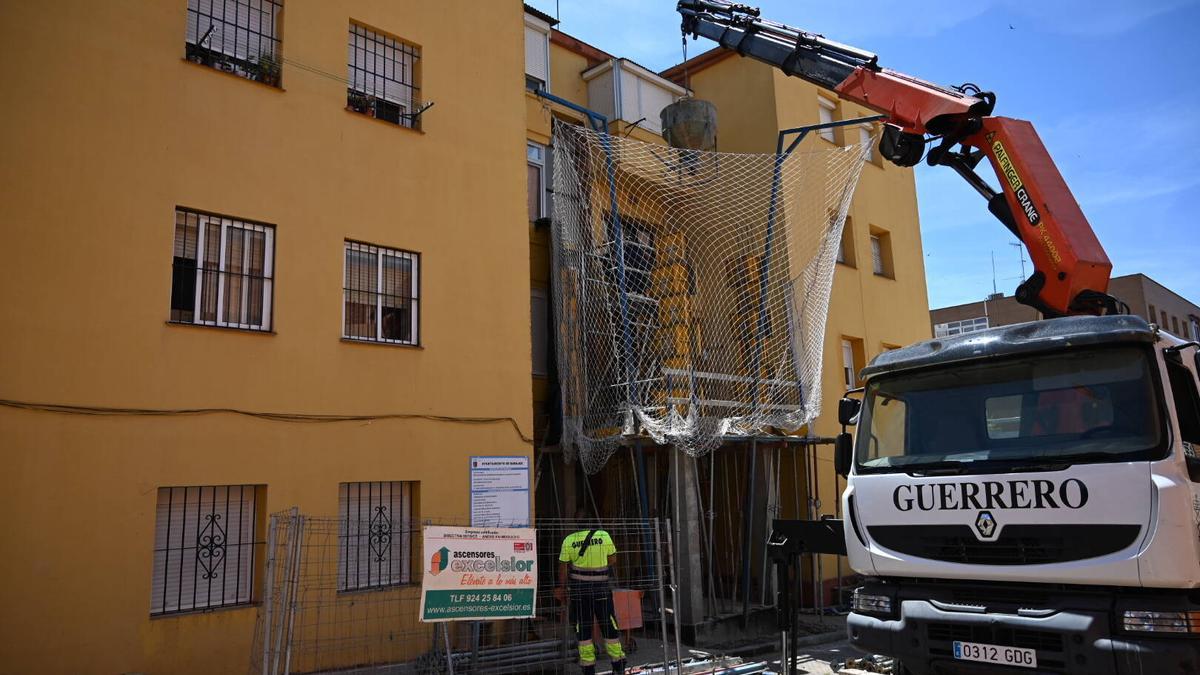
(848, 409)
(843, 451)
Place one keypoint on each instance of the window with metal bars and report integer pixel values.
(383, 78)
(237, 36)
(881, 253)
(205, 546)
(222, 272)
(376, 524)
(381, 295)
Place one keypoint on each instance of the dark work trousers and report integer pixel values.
(593, 600)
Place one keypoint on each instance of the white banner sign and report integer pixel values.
(500, 491)
(474, 573)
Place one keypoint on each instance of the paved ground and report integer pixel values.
(813, 659)
(816, 658)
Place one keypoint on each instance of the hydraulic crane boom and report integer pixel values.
(1071, 268)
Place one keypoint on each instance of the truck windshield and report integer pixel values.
(1087, 405)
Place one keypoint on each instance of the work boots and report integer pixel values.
(618, 668)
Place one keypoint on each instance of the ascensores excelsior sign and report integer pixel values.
(474, 573)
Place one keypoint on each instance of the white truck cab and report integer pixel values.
(1027, 499)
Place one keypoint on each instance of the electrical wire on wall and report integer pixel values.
(271, 416)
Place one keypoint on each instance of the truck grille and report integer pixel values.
(1016, 545)
(1006, 597)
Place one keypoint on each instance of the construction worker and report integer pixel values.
(584, 570)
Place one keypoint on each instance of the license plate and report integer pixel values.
(1009, 656)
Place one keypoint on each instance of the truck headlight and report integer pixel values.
(869, 603)
(1161, 622)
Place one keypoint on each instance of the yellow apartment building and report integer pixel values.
(878, 300)
(244, 268)
(253, 256)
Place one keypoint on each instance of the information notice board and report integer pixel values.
(475, 573)
(499, 491)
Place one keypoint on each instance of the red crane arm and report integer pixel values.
(1071, 268)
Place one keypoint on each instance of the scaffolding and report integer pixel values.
(691, 289)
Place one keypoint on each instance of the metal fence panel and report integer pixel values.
(310, 621)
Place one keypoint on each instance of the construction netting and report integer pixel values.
(691, 288)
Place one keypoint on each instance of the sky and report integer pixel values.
(1111, 87)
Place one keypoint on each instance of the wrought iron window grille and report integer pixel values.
(383, 77)
(375, 535)
(222, 271)
(381, 295)
(205, 548)
(236, 36)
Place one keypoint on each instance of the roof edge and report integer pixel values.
(696, 64)
(593, 54)
(541, 15)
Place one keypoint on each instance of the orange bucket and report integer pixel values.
(627, 606)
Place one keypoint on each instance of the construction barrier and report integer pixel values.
(344, 596)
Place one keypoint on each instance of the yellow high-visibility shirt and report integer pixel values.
(596, 556)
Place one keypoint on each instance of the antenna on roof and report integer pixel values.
(994, 291)
(1021, 252)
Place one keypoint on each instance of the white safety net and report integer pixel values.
(691, 288)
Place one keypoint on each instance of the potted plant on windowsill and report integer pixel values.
(266, 69)
(360, 103)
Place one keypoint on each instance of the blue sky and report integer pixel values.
(1112, 87)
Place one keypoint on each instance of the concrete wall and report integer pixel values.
(1003, 311)
(1158, 304)
(106, 130)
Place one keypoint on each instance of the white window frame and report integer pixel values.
(877, 255)
(849, 372)
(535, 155)
(221, 319)
(379, 252)
(367, 542)
(865, 133)
(536, 25)
(826, 114)
(961, 327)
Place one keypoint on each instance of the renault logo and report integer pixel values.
(985, 524)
